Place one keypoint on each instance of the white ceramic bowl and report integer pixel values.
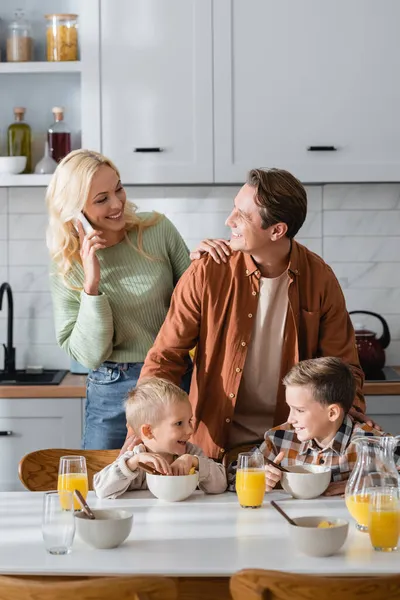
(108, 530)
(172, 488)
(307, 481)
(12, 164)
(313, 541)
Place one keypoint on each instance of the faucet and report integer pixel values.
(9, 351)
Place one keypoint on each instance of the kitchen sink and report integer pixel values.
(45, 377)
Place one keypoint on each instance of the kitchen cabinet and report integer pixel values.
(156, 87)
(28, 424)
(385, 410)
(308, 86)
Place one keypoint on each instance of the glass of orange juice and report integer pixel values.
(384, 518)
(72, 475)
(250, 479)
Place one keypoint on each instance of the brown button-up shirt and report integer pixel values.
(210, 308)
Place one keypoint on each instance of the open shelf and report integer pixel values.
(40, 67)
(24, 180)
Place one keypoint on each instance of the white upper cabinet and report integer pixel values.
(156, 86)
(311, 86)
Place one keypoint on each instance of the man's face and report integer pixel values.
(245, 222)
(309, 418)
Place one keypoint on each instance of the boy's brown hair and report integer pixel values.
(281, 197)
(330, 380)
(146, 404)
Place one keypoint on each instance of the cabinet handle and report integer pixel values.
(6, 433)
(321, 149)
(148, 149)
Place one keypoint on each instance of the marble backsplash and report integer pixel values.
(355, 228)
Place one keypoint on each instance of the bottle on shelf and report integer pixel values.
(19, 39)
(59, 136)
(19, 138)
(46, 165)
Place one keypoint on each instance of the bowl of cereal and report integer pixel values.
(318, 536)
(306, 481)
(172, 488)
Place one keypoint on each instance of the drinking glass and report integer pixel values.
(58, 524)
(72, 475)
(384, 518)
(250, 479)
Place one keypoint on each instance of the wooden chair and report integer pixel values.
(231, 455)
(88, 588)
(257, 584)
(38, 471)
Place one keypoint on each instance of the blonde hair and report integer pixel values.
(67, 195)
(147, 403)
(330, 380)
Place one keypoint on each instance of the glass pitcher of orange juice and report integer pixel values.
(72, 475)
(375, 467)
(250, 479)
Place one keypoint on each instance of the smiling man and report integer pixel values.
(251, 318)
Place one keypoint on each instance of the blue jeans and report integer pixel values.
(106, 391)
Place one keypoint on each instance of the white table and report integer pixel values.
(205, 536)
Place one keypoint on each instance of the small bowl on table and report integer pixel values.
(172, 488)
(108, 529)
(306, 481)
(318, 536)
(12, 165)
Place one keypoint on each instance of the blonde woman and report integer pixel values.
(111, 286)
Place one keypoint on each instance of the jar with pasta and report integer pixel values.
(62, 37)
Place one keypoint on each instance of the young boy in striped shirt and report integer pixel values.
(319, 430)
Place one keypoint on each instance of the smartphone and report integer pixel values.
(87, 228)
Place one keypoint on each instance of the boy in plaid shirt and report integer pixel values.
(319, 430)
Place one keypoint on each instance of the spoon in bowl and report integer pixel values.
(273, 464)
(282, 512)
(149, 469)
(85, 507)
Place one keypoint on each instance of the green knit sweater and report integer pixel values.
(122, 322)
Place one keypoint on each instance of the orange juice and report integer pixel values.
(384, 528)
(358, 507)
(71, 482)
(250, 486)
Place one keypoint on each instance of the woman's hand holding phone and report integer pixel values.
(90, 243)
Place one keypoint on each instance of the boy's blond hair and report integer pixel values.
(330, 380)
(146, 403)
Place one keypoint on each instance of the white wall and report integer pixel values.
(356, 228)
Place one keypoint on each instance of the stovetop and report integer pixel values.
(386, 374)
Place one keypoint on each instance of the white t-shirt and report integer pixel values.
(256, 401)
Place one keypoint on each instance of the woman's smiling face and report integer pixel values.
(106, 201)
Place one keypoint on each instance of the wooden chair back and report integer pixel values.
(38, 471)
(257, 584)
(88, 588)
(231, 455)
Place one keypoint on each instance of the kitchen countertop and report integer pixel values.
(74, 386)
(382, 388)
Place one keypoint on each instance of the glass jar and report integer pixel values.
(19, 138)
(62, 37)
(19, 39)
(375, 467)
(59, 136)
